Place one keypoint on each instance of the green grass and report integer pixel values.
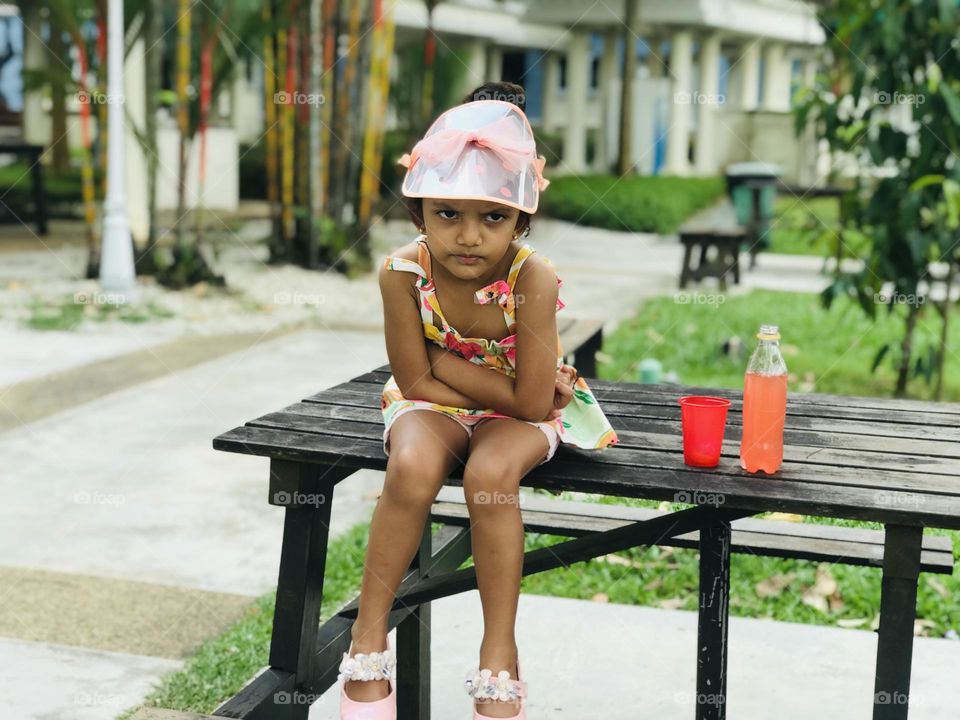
(809, 226)
(831, 351)
(62, 191)
(638, 204)
(69, 312)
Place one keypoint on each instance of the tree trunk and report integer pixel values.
(945, 316)
(58, 114)
(153, 38)
(906, 349)
(625, 160)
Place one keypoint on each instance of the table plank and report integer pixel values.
(369, 393)
(596, 472)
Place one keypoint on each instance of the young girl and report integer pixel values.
(478, 379)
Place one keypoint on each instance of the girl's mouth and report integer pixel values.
(467, 259)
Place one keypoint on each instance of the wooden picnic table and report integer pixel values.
(891, 461)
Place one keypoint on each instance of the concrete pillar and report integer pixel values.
(678, 134)
(708, 102)
(656, 61)
(747, 70)
(476, 62)
(578, 78)
(36, 122)
(607, 79)
(494, 63)
(134, 84)
(776, 78)
(551, 84)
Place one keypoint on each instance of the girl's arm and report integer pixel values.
(403, 333)
(531, 395)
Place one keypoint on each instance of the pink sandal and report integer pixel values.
(485, 687)
(368, 666)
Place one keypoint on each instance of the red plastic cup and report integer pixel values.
(703, 420)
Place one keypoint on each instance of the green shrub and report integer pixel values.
(636, 204)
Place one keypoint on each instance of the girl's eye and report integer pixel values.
(453, 212)
(496, 217)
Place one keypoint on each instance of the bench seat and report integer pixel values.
(771, 538)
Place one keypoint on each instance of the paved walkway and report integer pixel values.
(143, 541)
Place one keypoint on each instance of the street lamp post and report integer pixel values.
(116, 258)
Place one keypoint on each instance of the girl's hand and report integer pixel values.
(563, 390)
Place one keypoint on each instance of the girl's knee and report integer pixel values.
(490, 483)
(411, 478)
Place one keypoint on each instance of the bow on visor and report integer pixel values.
(442, 149)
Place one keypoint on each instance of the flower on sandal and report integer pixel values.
(482, 686)
(368, 666)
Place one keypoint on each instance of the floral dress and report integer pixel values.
(581, 424)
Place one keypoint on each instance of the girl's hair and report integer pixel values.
(508, 92)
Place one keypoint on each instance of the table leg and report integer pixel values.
(306, 492)
(685, 269)
(413, 648)
(39, 196)
(711, 700)
(898, 609)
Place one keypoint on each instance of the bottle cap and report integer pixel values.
(769, 332)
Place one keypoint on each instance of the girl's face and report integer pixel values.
(469, 237)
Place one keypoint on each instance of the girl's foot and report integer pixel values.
(491, 695)
(367, 690)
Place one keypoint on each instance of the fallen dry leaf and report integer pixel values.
(655, 585)
(616, 560)
(786, 517)
(671, 604)
(939, 587)
(774, 585)
(852, 622)
(825, 584)
(814, 600)
(600, 597)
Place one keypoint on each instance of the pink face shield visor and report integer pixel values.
(481, 150)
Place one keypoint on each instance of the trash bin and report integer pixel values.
(752, 187)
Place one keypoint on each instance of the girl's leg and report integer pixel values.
(501, 452)
(425, 446)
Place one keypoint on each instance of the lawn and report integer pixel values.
(808, 226)
(637, 204)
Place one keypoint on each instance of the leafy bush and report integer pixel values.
(636, 204)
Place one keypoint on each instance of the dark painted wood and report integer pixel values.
(898, 602)
(302, 563)
(413, 646)
(713, 621)
(768, 538)
(648, 532)
(258, 699)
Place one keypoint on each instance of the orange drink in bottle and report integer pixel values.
(764, 405)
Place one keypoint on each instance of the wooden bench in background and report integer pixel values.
(581, 338)
(714, 227)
